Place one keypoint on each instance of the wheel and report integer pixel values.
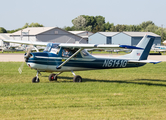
(77, 78)
(52, 77)
(35, 80)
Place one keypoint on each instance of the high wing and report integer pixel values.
(27, 42)
(85, 46)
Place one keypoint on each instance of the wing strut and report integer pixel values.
(58, 67)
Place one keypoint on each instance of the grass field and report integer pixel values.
(117, 94)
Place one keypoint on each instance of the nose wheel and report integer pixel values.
(36, 79)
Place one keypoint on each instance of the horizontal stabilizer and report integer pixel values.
(144, 61)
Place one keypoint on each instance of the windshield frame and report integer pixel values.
(51, 46)
(48, 47)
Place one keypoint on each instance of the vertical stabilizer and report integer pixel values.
(145, 43)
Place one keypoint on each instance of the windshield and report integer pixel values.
(52, 47)
(48, 47)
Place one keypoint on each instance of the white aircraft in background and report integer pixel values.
(158, 48)
(12, 49)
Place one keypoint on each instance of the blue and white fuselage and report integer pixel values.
(73, 57)
(48, 62)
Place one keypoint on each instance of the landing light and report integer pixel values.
(29, 65)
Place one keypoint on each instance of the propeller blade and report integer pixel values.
(28, 51)
(26, 57)
(21, 68)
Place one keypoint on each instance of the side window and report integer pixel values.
(55, 50)
(66, 52)
(84, 52)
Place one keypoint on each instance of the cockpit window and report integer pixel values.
(52, 47)
(55, 45)
(85, 53)
(48, 47)
(54, 50)
(66, 52)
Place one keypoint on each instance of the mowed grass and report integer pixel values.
(129, 93)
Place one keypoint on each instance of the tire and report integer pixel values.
(35, 80)
(52, 77)
(77, 78)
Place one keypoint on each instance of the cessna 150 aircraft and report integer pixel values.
(64, 57)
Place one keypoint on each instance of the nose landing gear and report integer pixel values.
(36, 79)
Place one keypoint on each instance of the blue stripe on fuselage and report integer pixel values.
(95, 64)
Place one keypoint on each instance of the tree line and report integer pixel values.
(97, 24)
(3, 30)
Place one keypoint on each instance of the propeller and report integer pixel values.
(21, 68)
(27, 55)
(28, 52)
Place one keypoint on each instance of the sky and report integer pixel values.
(60, 13)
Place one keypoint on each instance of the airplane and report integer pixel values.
(159, 48)
(12, 49)
(65, 57)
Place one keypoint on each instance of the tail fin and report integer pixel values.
(146, 43)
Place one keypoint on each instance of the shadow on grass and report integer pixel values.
(142, 81)
(148, 82)
(155, 80)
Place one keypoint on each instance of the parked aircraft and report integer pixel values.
(62, 57)
(12, 49)
(159, 48)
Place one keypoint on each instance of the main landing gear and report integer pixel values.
(53, 77)
(76, 78)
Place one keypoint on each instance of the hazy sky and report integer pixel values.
(51, 13)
